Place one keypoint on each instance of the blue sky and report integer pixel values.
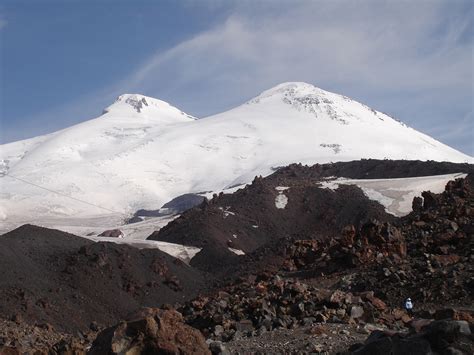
(63, 61)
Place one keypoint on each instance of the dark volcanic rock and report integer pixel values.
(438, 239)
(373, 169)
(439, 337)
(53, 277)
(249, 219)
(256, 305)
(214, 258)
(371, 269)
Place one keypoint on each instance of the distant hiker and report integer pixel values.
(409, 306)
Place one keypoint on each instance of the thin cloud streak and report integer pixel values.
(411, 50)
(355, 47)
(409, 59)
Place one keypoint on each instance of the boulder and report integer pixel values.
(451, 313)
(161, 332)
(217, 348)
(357, 312)
(68, 348)
(437, 337)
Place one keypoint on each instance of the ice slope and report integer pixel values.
(396, 195)
(142, 152)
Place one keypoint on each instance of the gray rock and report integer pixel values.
(218, 330)
(217, 348)
(244, 325)
(357, 312)
(464, 327)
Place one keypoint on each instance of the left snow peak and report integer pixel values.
(144, 106)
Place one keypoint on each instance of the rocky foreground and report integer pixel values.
(340, 290)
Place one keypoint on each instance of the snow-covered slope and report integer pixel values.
(142, 152)
(396, 195)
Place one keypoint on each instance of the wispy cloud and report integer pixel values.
(389, 54)
(411, 59)
(3, 22)
(388, 47)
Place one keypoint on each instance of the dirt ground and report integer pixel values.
(328, 338)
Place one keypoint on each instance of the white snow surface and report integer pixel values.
(182, 252)
(134, 234)
(142, 152)
(396, 195)
(236, 251)
(281, 200)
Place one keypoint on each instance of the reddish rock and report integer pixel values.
(447, 259)
(7, 350)
(467, 316)
(398, 313)
(261, 288)
(159, 267)
(348, 235)
(337, 297)
(162, 333)
(376, 302)
(199, 302)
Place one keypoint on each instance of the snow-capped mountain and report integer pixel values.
(142, 152)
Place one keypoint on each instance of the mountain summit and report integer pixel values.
(291, 90)
(317, 102)
(143, 152)
(134, 104)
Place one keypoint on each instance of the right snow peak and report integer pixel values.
(319, 103)
(325, 126)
